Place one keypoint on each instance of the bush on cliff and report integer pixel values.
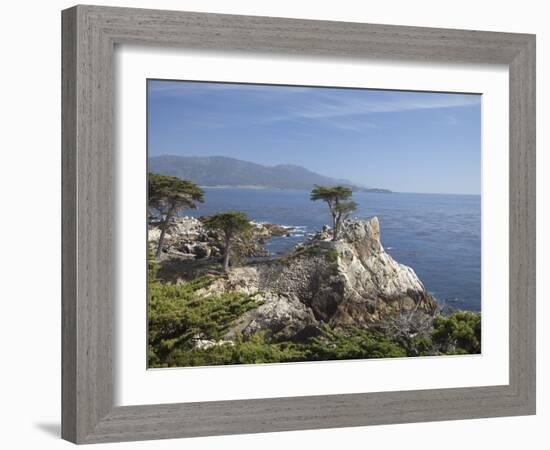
(352, 344)
(254, 349)
(177, 315)
(421, 334)
(458, 333)
(231, 224)
(259, 348)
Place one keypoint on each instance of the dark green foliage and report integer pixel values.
(338, 199)
(419, 346)
(168, 196)
(458, 333)
(330, 255)
(353, 343)
(330, 194)
(312, 251)
(178, 314)
(231, 224)
(259, 348)
(345, 208)
(416, 345)
(254, 349)
(153, 266)
(166, 192)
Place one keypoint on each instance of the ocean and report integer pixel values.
(438, 235)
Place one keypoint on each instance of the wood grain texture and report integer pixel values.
(523, 224)
(89, 36)
(87, 209)
(68, 225)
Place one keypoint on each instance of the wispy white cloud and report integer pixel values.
(343, 109)
(333, 106)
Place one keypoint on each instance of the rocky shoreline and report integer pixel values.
(187, 239)
(351, 282)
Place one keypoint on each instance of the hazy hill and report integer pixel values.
(223, 171)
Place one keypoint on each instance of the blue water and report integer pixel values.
(439, 236)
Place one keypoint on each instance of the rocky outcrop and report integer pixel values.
(186, 238)
(279, 312)
(373, 284)
(349, 282)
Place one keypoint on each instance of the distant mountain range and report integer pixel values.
(223, 171)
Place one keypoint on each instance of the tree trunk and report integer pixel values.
(163, 228)
(226, 256)
(335, 228)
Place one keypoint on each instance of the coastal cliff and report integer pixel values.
(348, 282)
(342, 299)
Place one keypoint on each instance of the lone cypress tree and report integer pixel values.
(170, 195)
(338, 199)
(231, 224)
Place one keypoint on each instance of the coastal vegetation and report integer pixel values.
(168, 196)
(215, 296)
(339, 204)
(231, 224)
(185, 329)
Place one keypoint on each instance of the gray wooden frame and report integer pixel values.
(89, 36)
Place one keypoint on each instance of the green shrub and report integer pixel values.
(258, 348)
(310, 251)
(352, 344)
(152, 265)
(457, 333)
(420, 346)
(331, 255)
(253, 349)
(177, 314)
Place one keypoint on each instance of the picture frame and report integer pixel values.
(90, 34)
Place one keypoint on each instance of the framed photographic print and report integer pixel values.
(279, 224)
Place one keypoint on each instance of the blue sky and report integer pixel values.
(400, 140)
